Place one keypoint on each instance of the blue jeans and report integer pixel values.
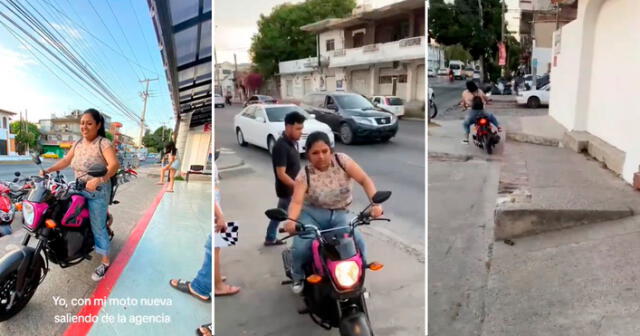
(98, 203)
(201, 284)
(473, 117)
(5, 230)
(323, 219)
(272, 229)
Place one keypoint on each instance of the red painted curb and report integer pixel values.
(104, 288)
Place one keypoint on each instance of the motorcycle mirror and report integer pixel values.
(97, 170)
(277, 214)
(381, 197)
(17, 174)
(36, 159)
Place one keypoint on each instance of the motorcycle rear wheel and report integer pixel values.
(488, 146)
(8, 285)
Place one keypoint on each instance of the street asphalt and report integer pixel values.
(398, 166)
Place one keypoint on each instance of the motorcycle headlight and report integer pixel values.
(347, 273)
(28, 213)
(364, 120)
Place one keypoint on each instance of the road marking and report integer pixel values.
(106, 285)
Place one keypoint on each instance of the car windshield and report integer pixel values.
(395, 101)
(454, 66)
(277, 114)
(349, 102)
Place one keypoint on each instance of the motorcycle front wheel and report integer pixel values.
(356, 325)
(8, 287)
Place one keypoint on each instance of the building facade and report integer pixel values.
(57, 135)
(539, 19)
(7, 140)
(586, 95)
(373, 52)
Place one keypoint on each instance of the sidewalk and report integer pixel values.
(264, 307)
(171, 246)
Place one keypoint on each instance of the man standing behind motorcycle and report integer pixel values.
(477, 112)
(94, 148)
(321, 196)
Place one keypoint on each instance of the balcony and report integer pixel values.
(402, 50)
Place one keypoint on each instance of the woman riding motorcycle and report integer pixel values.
(94, 148)
(321, 197)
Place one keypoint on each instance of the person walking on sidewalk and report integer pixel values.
(477, 112)
(321, 198)
(286, 165)
(171, 167)
(94, 148)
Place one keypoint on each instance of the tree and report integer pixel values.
(109, 136)
(462, 22)
(253, 82)
(280, 38)
(157, 140)
(27, 135)
(457, 52)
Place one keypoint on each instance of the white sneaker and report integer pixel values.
(297, 287)
(99, 273)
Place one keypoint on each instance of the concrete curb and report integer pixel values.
(533, 139)
(21, 162)
(514, 222)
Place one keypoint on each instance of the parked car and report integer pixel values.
(351, 116)
(476, 74)
(534, 98)
(50, 155)
(392, 104)
(468, 72)
(219, 100)
(260, 99)
(443, 72)
(262, 124)
(431, 73)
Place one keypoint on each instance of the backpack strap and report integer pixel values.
(338, 161)
(306, 170)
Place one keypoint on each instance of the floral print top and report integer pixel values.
(330, 189)
(87, 154)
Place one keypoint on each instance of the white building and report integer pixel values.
(225, 77)
(7, 140)
(594, 102)
(436, 57)
(373, 52)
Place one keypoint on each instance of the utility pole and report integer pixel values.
(217, 67)
(502, 34)
(235, 76)
(481, 56)
(144, 95)
(557, 15)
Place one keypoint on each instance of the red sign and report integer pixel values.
(502, 54)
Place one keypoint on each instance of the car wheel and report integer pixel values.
(533, 102)
(240, 138)
(346, 134)
(271, 142)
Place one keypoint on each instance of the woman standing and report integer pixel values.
(172, 166)
(94, 148)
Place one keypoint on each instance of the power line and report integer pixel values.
(122, 31)
(56, 44)
(110, 34)
(109, 69)
(146, 44)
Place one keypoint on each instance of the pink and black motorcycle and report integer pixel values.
(334, 292)
(56, 215)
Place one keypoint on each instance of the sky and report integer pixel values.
(236, 22)
(34, 83)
